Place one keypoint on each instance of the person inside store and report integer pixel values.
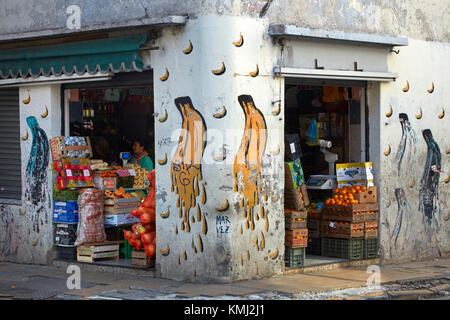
(141, 155)
(103, 151)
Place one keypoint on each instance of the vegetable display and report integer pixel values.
(143, 234)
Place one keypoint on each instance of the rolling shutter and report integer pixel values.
(10, 154)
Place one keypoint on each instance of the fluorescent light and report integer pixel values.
(334, 74)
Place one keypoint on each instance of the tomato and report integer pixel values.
(147, 238)
(149, 227)
(135, 213)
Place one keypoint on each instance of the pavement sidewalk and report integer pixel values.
(20, 281)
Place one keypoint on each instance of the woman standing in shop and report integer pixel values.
(141, 155)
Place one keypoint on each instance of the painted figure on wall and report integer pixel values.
(408, 139)
(428, 192)
(36, 189)
(403, 213)
(186, 168)
(247, 166)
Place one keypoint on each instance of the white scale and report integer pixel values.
(324, 182)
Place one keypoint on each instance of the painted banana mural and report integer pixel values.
(247, 166)
(186, 168)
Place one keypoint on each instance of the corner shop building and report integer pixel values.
(283, 54)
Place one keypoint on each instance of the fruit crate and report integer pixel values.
(140, 259)
(98, 251)
(370, 248)
(296, 238)
(359, 207)
(371, 215)
(342, 229)
(314, 246)
(351, 249)
(295, 219)
(370, 229)
(66, 252)
(120, 205)
(344, 216)
(294, 257)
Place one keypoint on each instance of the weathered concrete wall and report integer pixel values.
(208, 243)
(414, 198)
(26, 231)
(425, 20)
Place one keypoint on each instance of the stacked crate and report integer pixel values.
(349, 231)
(296, 232)
(313, 225)
(65, 220)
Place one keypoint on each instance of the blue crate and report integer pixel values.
(65, 211)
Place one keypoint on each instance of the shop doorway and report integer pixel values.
(115, 115)
(325, 124)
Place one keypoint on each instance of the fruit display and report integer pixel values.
(139, 179)
(345, 196)
(143, 234)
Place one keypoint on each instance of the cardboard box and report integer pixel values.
(368, 196)
(355, 173)
(119, 219)
(293, 174)
(60, 150)
(304, 193)
(72, 173)
(293, 199)
(65, 211)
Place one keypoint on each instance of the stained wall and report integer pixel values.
(414, 155)
(26, 234)
(232, 228)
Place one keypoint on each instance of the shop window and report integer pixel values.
(10, 154)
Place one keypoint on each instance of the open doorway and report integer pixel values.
(325, 124)
(117, 117)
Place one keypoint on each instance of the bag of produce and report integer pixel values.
(91, 227)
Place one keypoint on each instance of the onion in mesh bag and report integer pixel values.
(91, 228)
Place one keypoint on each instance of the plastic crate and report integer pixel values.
(351, 249)
(125, 250)
(370, 248)
(66, 252)
(65, 211)
(294, 257)
(314, 246)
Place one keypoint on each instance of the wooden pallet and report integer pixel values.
(98, 251)
(140, 259)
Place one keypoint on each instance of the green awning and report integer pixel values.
(103, 55)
